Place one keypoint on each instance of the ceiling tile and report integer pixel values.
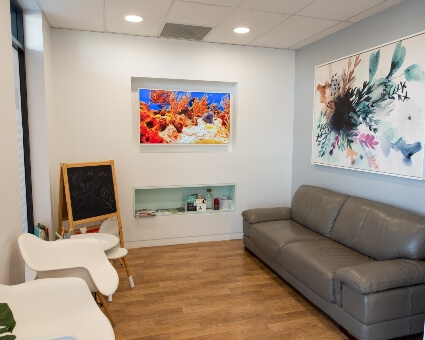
(293, 31)
(337, 9)
(74, 14)
(227, 3)
(380, 7)
(152, 11)
(321, 35)
(288, 24)
(258, 22)
(197, 14)
(278, 6)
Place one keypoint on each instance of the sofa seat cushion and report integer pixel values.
(315, 262)
(270, 236)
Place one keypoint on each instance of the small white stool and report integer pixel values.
(119, 253)
(110, 226)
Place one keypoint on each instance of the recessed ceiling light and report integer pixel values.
(241, 30)
(134, 18)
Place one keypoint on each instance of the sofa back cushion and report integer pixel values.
(316, 208)
(379, 230)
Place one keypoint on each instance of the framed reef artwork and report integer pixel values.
(183, 118)
(369, 110)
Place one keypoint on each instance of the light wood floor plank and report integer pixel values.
(213, 290)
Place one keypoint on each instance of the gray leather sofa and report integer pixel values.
(359, 261)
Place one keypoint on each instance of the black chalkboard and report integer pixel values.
(91, 190)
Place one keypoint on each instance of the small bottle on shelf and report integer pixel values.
(209, 198)
(216, 204)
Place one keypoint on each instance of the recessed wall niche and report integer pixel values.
(181, 85)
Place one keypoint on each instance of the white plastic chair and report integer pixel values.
(110, 226)
(53, 308)
(71, 258)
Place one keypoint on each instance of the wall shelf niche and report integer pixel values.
(163, 201)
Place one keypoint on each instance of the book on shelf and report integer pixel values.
(144, 212)
(163, 211)
(158, 212)
(41, 231)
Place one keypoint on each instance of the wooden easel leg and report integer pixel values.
(103, 303)
(130, 277)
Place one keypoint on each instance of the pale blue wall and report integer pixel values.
(397, 22)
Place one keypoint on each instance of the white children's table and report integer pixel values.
(106, 241)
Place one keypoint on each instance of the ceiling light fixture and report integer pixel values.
(133, 18)
(241, 30)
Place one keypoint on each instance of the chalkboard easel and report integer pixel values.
(88, 192)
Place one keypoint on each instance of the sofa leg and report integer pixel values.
(345, 332)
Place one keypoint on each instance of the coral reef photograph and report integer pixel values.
(180, 117)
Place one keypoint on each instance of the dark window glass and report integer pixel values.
(17, 23)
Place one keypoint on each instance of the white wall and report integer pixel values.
(11, 265)
(395, 23)
(37, 38)
(92, 75)
(37, 57)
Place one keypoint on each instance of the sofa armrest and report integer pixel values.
(266, 214)
(376, 276)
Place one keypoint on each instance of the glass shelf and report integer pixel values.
(168, 199)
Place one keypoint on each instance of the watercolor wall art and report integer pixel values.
(369, 110)
(181, 117)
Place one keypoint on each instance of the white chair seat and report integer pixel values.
(116, 253)
(83, 258)
(55, 308)
(70, 258)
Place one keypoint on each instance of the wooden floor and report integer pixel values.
(213, 290)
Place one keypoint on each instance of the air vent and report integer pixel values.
(187, 32)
